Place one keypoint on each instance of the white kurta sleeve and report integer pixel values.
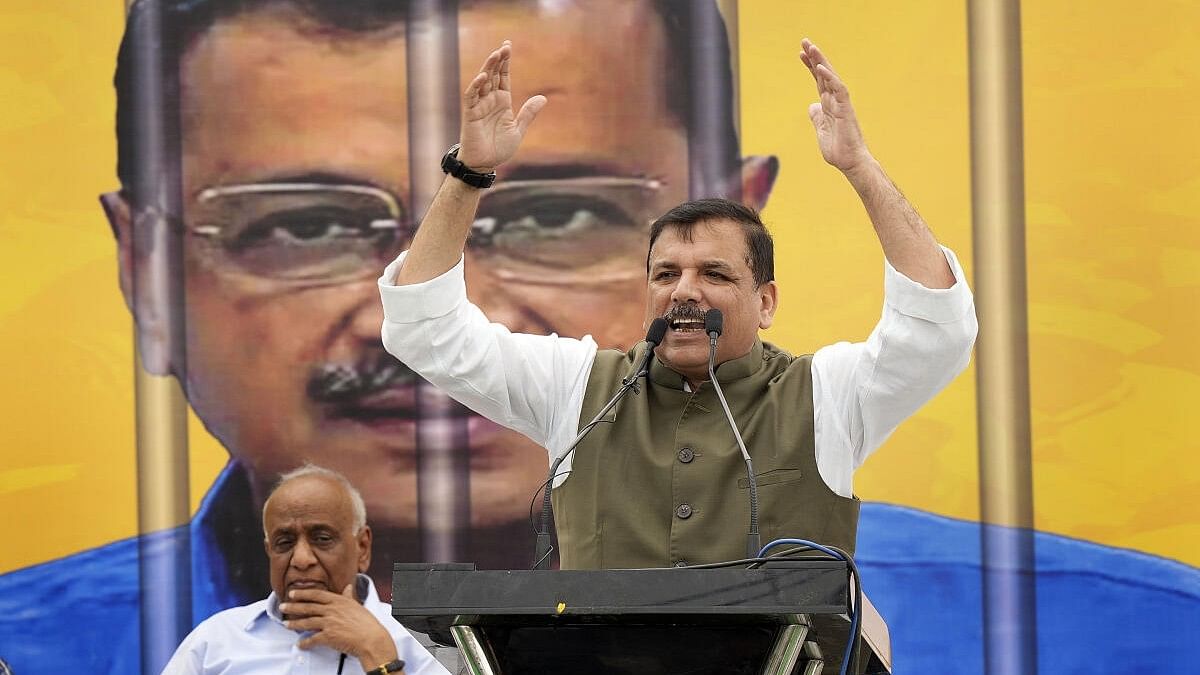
(533, 384)
(862, 391)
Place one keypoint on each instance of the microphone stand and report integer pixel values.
(712, 325)
(542, 547)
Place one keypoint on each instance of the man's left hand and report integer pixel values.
(838, 134)
(339, 622)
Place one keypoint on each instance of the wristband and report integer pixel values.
(389, 667)
(454, 167)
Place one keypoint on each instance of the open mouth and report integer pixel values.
(687, 325)
(686, 318)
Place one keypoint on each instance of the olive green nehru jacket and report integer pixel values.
(665, 483)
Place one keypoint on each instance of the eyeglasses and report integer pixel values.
(574, 231)
(299, 232)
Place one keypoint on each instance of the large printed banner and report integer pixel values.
(290, 164)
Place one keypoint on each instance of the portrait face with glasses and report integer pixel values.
(295, 162)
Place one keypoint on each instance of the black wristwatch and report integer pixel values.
(389, 667)
(452, 166)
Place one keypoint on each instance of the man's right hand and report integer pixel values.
(490, 132)
(339, 622)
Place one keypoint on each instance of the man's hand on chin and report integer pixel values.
(339, 622)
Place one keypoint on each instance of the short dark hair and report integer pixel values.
(184, 21)
(760, 248)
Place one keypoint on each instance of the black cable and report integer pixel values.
(748, 562)
(537, 491)
(783, 554)
(857, 637)
(855, 611)
(532, 524)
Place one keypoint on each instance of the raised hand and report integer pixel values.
(838, 135)
(490, 132)
(339, 622)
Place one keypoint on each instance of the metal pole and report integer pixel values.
(729, 15)
(443, 443)
(164, 546)
(164, 553)
(998, 205)
(713, 152)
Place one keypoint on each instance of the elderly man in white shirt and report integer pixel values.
(323, 614)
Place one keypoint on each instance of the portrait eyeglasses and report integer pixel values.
(577, 231)
(298, 232)
(587, 230)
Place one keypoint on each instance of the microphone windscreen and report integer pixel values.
(713, 321)
(658, 330)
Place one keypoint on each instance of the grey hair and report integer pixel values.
(357, 506)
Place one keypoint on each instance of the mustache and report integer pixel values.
(345, 382)
(685, 311)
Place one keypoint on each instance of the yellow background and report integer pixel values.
(1113, 197)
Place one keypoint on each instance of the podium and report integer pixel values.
(785, 618)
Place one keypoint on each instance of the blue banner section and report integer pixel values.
(1009, 601)
(80, 610)
(1100, 609)
(166, 595)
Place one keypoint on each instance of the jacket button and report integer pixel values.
(686, 455)
(684, 511)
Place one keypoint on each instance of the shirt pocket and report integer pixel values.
(772, 477)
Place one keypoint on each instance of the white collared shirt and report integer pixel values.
(252, 639)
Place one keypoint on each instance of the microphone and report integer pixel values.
(654, 337)
(713, 323)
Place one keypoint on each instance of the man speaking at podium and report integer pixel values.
(662, 481)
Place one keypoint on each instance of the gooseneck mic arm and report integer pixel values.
(654, 336)
(713, 321)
